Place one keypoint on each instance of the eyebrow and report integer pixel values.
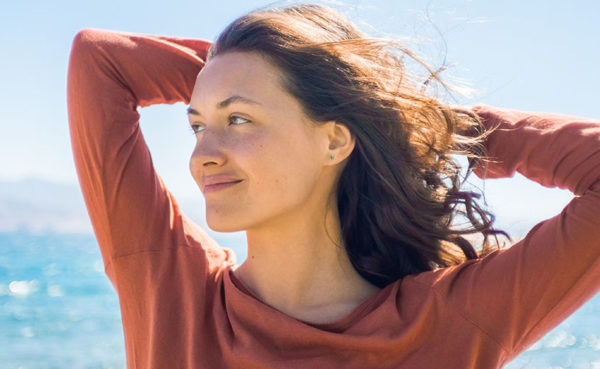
(225, 103)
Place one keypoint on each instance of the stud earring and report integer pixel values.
(331, 157)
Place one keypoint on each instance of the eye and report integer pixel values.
(237, 120)
(196, 128)
(234, 119)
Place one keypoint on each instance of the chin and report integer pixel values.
(224, 229)
(223, 225)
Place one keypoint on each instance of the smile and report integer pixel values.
(219, 186)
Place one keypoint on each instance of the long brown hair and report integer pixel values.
(399, 196)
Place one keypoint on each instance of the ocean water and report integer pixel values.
(58, 310)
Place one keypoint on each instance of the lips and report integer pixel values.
(219, 186)
(218, 182)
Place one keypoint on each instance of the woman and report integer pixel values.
(314, 140)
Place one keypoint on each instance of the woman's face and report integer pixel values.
(252, 133)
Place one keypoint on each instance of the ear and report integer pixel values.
(341, 142)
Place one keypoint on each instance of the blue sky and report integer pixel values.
(530, 55)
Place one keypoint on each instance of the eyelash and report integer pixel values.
(194, 132)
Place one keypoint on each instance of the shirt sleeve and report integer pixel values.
(517, 294)
(110, 74)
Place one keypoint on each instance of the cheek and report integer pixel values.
(284, 166)
(260, 156)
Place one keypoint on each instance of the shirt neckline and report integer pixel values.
(339, 325)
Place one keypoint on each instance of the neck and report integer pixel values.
(302, 269)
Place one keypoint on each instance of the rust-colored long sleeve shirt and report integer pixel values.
(183, 308)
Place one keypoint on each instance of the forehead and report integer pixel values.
(246, 73)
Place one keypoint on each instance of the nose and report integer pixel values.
(208, 152)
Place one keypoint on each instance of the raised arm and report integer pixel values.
(518, 294)
(110, 74)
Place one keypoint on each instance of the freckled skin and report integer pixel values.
(278, 154)
(286, 202)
